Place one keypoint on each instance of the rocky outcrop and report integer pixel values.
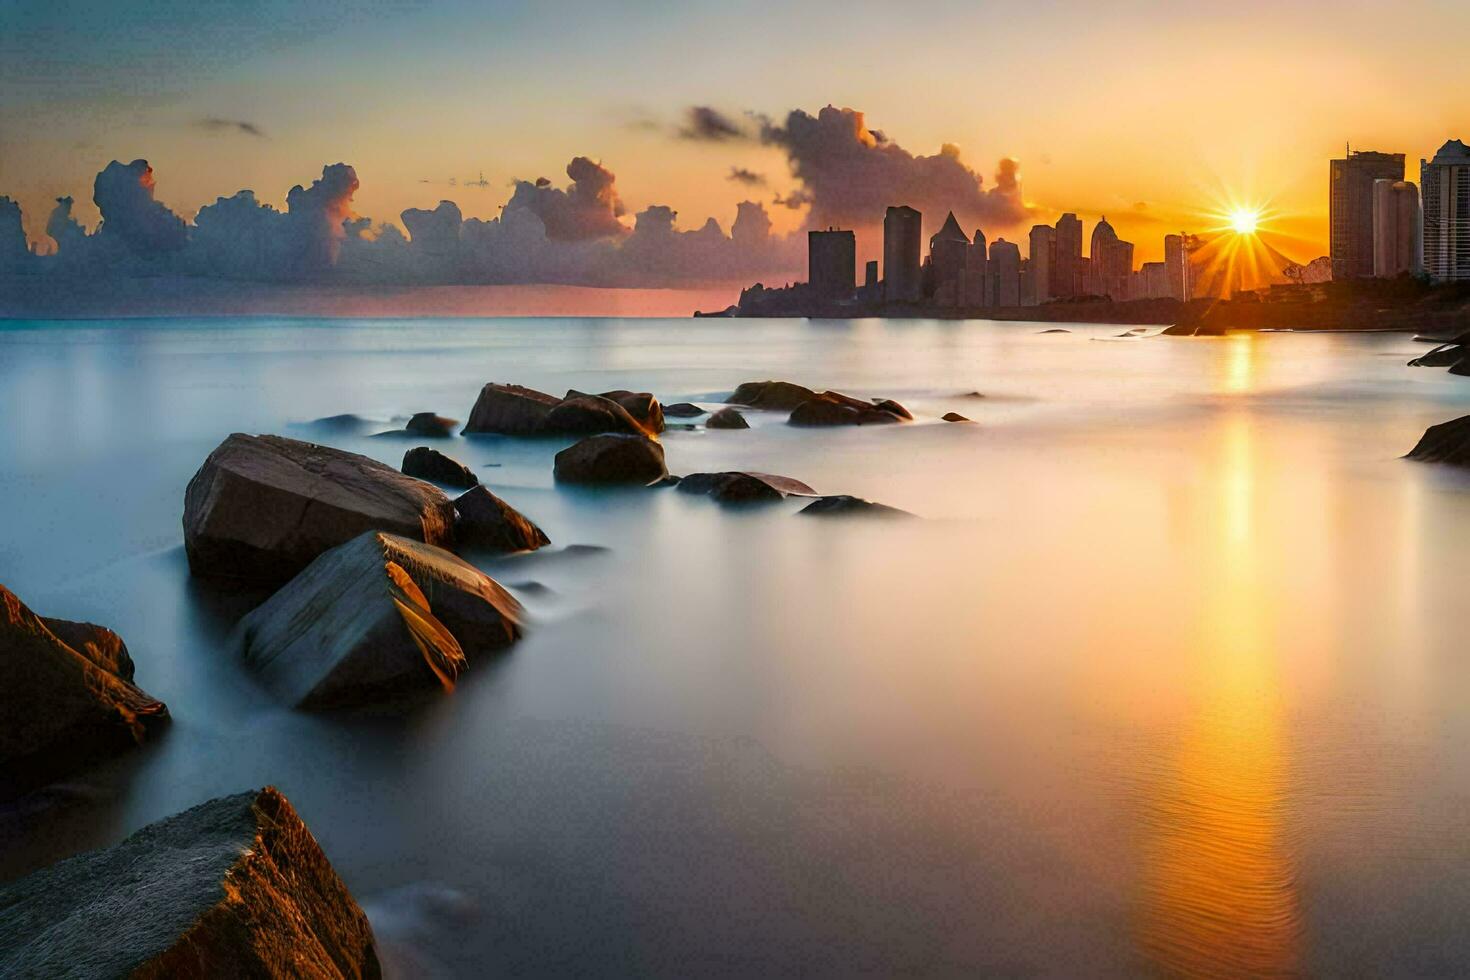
(431, 464)
(726, 418)
(485, 521)
(739, 487)
(517, 411)
(1448, 442)
(236, 887)
(66, 698)
(376, 619)
(840, 505)
(430, 426)
(893, 408)
(834, 408)
(611, 459)
(262, 507)
(683, 410)
(780, 396)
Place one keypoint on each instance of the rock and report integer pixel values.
(954, 417)
(1448, 442)
(62, 706)
(431, 464)
(262, 507)
(580, 414)
(375, 619)
(641, 405)
(341, 425)
(510, 410)
(683, 410)
(611, 458)
(1054, 330)
(972, 394)
(1442, 356)
(485, 521)
(846, 504)
(236, 887)
(780, 396)
(430, 426)
(726, 418)
(894, 408)
(1461, 367)
(669, 481)
(743, 488)
(835, 408)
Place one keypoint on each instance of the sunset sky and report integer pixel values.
(1148, 112)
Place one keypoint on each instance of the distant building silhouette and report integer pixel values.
(903, 238)
(831, 258)
(974, 287)
(1445, 185)
(948, 249)
(870, 275)
(1067, 276)
(1110, 262)
(1350, 209)
(1176, 267)
(1398, 229)
(1043, 249)
(1005, 273)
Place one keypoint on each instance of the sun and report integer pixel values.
(1243, 221)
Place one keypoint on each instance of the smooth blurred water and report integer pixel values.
(1170, 677)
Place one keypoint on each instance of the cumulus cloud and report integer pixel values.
(587, 208)
(216, 124)
(849, 174)
(705, 124)
(747, 177)
(14, 251)
(317, 214)
(123, 192)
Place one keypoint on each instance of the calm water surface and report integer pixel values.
(1170, 678)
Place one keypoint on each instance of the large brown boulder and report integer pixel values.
(683, 410)
(430, 426)
(835, 408)
(236, 887)
(581, 414)
(781, 396)
(64, 700)
(262, 507)
(510, 410)
(1448, 442)
(726, 418)
(611, 458)
(485, 521)
(377, 619)
(430, 464)
(641, 405)
(743, 488)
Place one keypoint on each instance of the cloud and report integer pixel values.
(316, 215)
(588, 208)
(123, 192)
(216, 124)
(747, 177)
(14, 251)
(849, 174)
(704, 124)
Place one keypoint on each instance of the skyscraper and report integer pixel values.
(1005, 273)
(1398, 233)
(1445, 185)
(1043, 257)
(831, 261)
(947, 250)
(1066, 273)
(903, 238)
(1176, 267)
(974, 286)
(1350, 209)
(1110, 261)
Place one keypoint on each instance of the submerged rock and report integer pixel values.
(1054, 330)
(236, 887)
(430, 426)
(514, 410)
(726, 418)
(683, 410)
(737, 487)
(375, 619)
(1448, 442)
(893, 408)
(780, 396)
(835, 408)
(262, 507)
(431, 464)
(66, 699)
(483, 520)
(955, 417)
(611, 458)
(340, 425)
(846, 505)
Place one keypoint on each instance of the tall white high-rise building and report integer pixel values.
(1398, 237)
(1444, 186)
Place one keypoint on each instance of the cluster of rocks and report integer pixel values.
(1448, 442)
(513, 410)
(1454, 355)
(818, 408)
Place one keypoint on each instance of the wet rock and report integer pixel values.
(835, 408)
(954, 417)
(641, 405)
(431, 464)
(483, 520)
(1440, 357)
(430, 426)
(339, 425)
(1054, 330)
(739, 487)
(580, 414)
(378, 618)
(63, 705)
(726, 418)
(1448, 442)
(262, 507)
(780, 396)
(1461, 367)
(510, 410)
(236, 887)
(611, 458)
(840, 505)
(894, 408)
(971, 394)
(683, 410)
